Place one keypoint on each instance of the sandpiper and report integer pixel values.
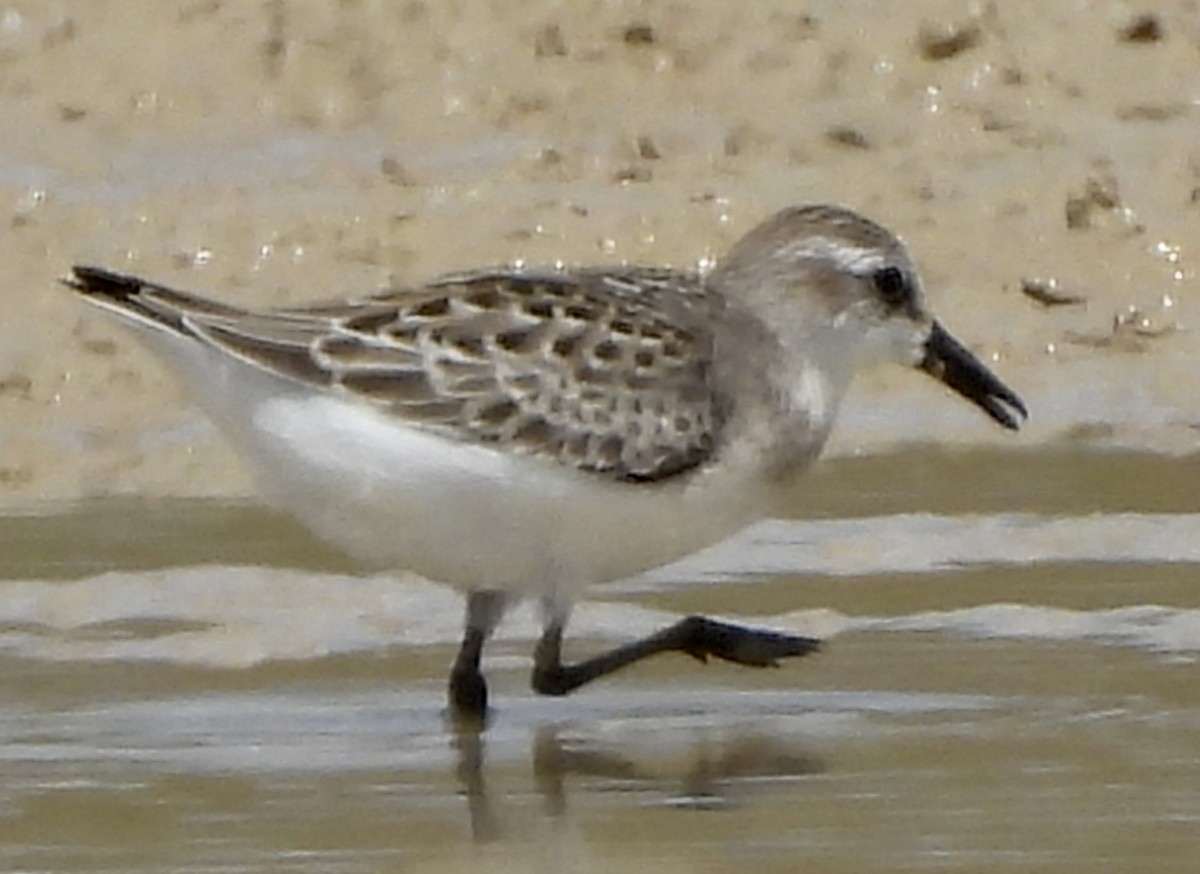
(530, 433)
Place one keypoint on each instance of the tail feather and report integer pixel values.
(278, 342)
(98, 281)
(143, 301)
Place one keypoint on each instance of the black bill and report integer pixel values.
(951, 363)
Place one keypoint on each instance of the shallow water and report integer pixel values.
(1010, 684)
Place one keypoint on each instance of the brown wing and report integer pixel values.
(605, 371)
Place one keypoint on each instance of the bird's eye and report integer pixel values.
(892, 286)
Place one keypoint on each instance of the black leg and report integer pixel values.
(697, 636)
(468, 694)
(468, 689)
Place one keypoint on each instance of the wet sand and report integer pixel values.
(1006, 689)
(1026, 153)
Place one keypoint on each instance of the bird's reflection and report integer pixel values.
(468, 741)
(703, 773)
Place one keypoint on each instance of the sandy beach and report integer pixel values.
(1041, 162)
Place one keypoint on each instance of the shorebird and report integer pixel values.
(530, 433)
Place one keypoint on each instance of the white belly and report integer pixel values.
(399, 498)
(469, 515)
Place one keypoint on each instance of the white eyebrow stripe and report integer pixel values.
(859, 260)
